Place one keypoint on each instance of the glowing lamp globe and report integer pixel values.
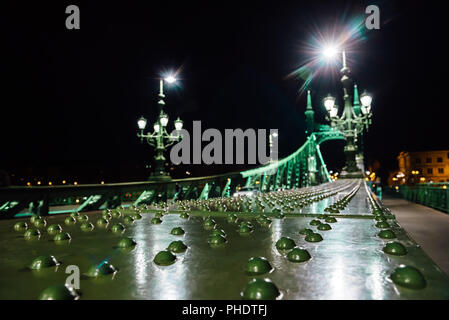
(170, 79)
(366, 99)
(142, 123)
(333, 112)
(366, 109)
(329, 103)
(178, 124)
(330, 52)
(163, 119)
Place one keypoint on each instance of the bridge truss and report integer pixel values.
(305, 167)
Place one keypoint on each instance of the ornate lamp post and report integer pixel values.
(351, 123)
(160, 139)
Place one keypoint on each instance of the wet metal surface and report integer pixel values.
(347, 264)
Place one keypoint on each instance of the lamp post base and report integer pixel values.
(159, 173)
(351, 175)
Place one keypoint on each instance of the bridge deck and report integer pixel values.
(427, 226)
(348, 264)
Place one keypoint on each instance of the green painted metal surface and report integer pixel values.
(348, 264)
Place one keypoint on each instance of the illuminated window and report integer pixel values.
(428, 160)
(439, 159)
(429, 170)
(440, 170)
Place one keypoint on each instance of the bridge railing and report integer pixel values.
(435, 195)
(19, 201)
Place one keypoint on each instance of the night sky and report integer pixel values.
(71, 98)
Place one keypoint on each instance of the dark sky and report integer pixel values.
(71, 98)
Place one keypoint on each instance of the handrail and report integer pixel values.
(81, 187)
(435, 195)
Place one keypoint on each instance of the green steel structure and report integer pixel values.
(331, 241)
(435, 195)
(303, 168)
(303, 235)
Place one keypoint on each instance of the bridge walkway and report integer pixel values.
(427, 226)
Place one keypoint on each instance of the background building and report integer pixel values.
(421, 167)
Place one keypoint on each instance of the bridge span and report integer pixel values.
(334, 240)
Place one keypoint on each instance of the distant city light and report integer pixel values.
(28, 184)
(75, 183)
(39, 183)
(64, 182)
(50, 183)
(102, 182)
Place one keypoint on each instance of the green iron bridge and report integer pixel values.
(305, 167)
(359, 250)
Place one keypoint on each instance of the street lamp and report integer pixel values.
(178, 124)
(142, 123)
(329, 102)
(170, 79)
(160, 139)
(366, 99)
(354, 119)
(330, 51)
